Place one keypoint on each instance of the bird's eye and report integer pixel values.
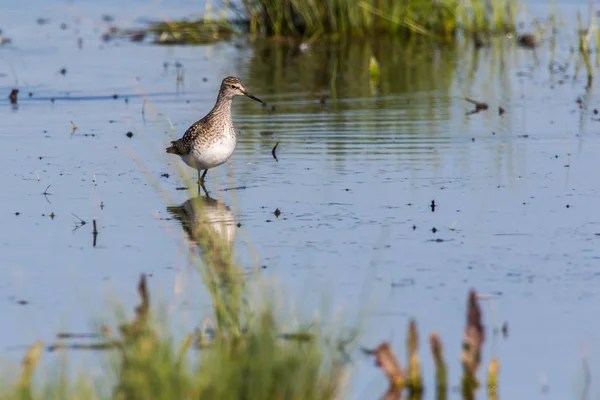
(232, 86)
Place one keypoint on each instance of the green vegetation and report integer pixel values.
(442, 19)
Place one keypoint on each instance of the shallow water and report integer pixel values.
(515, 194)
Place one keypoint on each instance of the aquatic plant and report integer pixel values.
(442, 19)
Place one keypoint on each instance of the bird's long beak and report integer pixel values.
(252, 97)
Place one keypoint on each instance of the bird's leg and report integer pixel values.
(202, 187)
(201, 178)
(206, 194)
(201, 181)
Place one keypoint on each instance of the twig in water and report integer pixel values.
(69, 335)
(274, 150)
(80, 224)
(479, 106)
(233, 188)
(46, 193)
(94, 232)
(74, 127)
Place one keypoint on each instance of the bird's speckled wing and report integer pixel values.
(194, 134)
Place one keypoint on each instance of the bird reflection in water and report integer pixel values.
(203, 215)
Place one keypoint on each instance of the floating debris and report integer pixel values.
(137, 36)
(274, 150)
(527, 41)
(323, 100)
(479, 41)
(13, 96)
(505, 330)
(80, 224)
(277, 212)
(63, 71)
(267, 133)
(479, 106)
(129, 134)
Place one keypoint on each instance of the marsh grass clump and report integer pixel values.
(442, 19)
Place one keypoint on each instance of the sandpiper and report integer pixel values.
(210, 141)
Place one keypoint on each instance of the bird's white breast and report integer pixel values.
(211, 155)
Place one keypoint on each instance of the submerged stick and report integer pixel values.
(94, 232)
(69, 335)
(273, 151)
